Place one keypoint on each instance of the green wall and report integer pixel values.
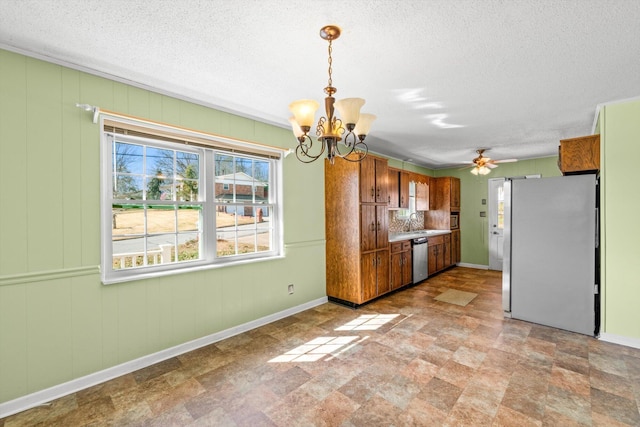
(57, 321)
(620, 141)
(474, 188)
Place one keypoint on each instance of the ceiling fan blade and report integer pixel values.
(467, 167)
(491, 165)
(505, 161)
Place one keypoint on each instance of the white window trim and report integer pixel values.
(209, 260)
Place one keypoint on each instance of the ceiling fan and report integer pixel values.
(482, 165)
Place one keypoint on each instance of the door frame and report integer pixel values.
(492, 208)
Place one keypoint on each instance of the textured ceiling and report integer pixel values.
(444, 77)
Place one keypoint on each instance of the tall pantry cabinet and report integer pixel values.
(357, 229)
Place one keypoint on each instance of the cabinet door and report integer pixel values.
(404, 190)
(396, 270)
(382, 272)
(579, 154)
(368, 180)
(446, 251)
(455, 195)
(394, 187)
(455, 247)
(369, 281)
(381, 181)
(422, 197)
(407, 268)
(433, 259)
(368, 226)
(382, 227)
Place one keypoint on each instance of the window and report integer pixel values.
(169, 206)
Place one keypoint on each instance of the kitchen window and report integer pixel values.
(173, 205)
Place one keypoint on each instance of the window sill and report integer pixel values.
(184, 269)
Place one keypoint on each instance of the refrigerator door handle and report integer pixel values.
(597, 227)
(506, 254)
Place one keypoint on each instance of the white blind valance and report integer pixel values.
(124, 124)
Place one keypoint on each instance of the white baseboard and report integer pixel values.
(43, 396)
(617, 339)
(478, 266)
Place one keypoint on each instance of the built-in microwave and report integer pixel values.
(455, 221)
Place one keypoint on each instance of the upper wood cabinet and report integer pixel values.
(398, 189)
(579, 155)
(404, 190)
(444, 198)
(394, 188)
(422, 196)
(374, 178)
(454, 201)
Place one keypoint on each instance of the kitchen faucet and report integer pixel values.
(415, 216)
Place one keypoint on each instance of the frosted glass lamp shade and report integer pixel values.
(474, 170)
(349, 109)
(304, 111)
(295, 128)
(364, 124)
(484, 170)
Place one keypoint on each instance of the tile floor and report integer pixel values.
(404, 360)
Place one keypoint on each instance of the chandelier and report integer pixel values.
(330, 129)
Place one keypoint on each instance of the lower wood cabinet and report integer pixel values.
(455, 247)
(401, 264)
(375, 274)
(439, 256)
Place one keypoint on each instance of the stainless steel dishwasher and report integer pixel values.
(420, 260)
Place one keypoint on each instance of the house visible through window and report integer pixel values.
(173, 206)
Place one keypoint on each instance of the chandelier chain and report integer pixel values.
(330, 83)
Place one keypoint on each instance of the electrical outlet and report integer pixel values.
(290, 289)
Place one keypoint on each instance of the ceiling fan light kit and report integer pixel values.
(330, 129)
(482, 165)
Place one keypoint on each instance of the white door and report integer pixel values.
(496, 223)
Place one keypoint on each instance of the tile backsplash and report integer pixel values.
(397, 225)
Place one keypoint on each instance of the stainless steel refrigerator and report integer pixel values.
(551, 252)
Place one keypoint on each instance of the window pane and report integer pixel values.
(224, 183)
(188, 247)
(128, 236)
(159, 187)
(243, 179)
(161, 219)
(160, 162)
(226, 242)
(128, 158)
(127, 221)
(261, 175)
(189, 218)
(127, 186)
(264, 236)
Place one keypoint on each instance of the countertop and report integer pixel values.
(408, 235)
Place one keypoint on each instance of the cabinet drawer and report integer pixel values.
(400, 246)
(436, 240)
(396, 247)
